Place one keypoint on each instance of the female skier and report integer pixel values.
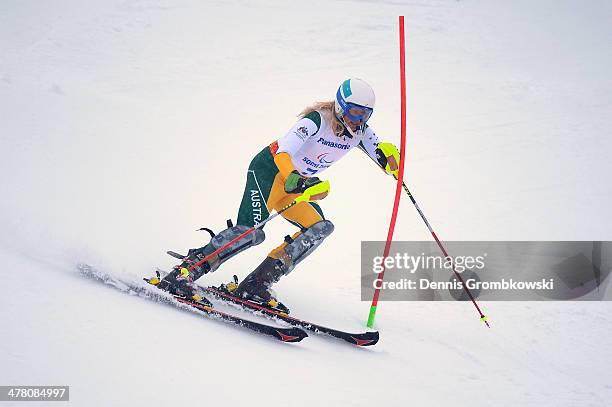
(278, 174)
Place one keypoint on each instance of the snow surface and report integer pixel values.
(126, 125)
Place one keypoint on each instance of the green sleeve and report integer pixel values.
(316, 118)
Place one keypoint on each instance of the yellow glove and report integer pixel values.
(388, 158)
(315, 192)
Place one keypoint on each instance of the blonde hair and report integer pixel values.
(327, 110)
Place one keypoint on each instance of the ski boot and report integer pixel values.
(181, 287)
(257, 286)
(181, 281)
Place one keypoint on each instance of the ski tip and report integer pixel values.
(366, 339)
(290, 335)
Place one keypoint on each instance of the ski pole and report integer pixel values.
(308, 195)
(483, 318)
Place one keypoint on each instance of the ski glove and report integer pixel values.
(296, 183)
(388, 158)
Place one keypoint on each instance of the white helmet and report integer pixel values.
(354, 104)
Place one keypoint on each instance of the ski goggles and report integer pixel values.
(355, 112)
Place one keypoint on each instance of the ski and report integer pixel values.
(283, 334)
(359, 339)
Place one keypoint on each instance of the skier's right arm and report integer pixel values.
(288, 145)
(293, 140)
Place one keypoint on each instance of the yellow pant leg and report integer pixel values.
(302, 213)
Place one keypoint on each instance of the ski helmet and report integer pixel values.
(355, 103)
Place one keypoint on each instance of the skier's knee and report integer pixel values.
(302, 244)
(323, 227)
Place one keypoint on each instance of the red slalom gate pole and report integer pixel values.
(400, 177)
(400, 185)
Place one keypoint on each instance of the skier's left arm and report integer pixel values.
(385, 154)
